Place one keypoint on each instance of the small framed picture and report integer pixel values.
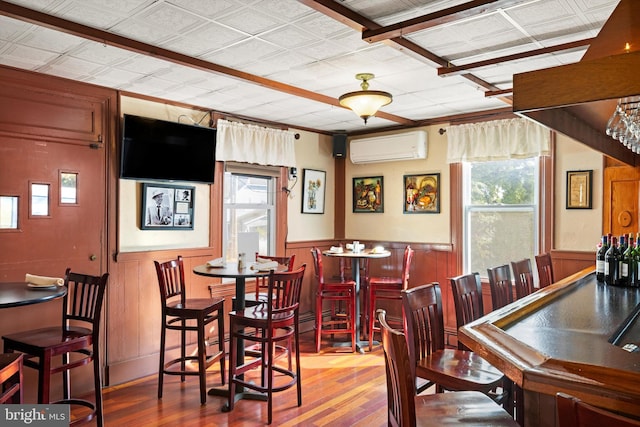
(368, 195)
(167, 207)
(579, 189)
(422, 193)
(313, 191)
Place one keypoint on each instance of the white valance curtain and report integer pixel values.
(240, 142)
(497, 140)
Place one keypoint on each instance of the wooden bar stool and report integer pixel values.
(79, 334)
(183, 314)
(11, 378)
(277, 322)
(464, 408)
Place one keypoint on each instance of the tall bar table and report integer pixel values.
(231, 271)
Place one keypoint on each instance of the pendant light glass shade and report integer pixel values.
(365, 103)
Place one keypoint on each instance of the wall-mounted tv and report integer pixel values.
(166, 151)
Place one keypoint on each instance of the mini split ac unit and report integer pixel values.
(389, 148)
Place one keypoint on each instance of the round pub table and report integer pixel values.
(16, 294)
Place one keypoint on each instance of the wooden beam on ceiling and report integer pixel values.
(444, 16)
(100, 36)
(348, 17)
(563, 121)
(450, 70)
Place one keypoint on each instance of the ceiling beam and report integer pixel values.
(100, 36)
(444, 16)
(561, 120)
(450, 70)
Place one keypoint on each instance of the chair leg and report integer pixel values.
(183, 350)
(269, 378)
(163, 335)
(318, 322)
(296, 337)
(44, 378)
(202, 361)
(66, 375)
(372, 315)
(221, 343)
(232, 365)
(97, 384)
(352, 322)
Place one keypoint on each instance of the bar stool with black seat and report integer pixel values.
(467, 300)
(523, 277)
(79, 334)
(183, 314)
(277, 322)
(500, 285)
(573, 412)
(262, 283)
(545, 269)
(336, 292)
(387, 288)
(463, 408)
(446, 368)
(11, 377)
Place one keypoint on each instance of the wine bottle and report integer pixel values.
(611, 263)
(635, 282)
(600, 254)
(626, 263)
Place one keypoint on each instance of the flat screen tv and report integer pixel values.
(166, 151)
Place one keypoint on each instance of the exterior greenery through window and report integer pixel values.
(249, 215)
(501, 202)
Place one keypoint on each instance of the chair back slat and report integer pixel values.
(545, 269)
(425, 323)
(501, 286)
(406, 266)
(401, 389)
(284, 290)
(262, 283)
(523, 277)
(171, 280)
(83, 301)
(467, 299)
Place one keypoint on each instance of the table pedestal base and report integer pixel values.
(249, 395)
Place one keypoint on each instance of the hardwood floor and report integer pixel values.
(338, 389)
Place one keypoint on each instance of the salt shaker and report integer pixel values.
(241, 261)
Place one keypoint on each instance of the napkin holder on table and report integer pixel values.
(36, 280)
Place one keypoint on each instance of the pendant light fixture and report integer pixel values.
(365, 103)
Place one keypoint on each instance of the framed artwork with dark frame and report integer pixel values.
(167, 207)
(422, 193)
(368, 195)
(313, 191)
(579, 188)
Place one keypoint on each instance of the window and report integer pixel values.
(501, 212)
(249, 214)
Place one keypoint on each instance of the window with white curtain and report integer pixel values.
(501, 195)
(249, 212)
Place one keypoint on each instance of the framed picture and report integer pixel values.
(368, 194)
(422, 193)
(167, 207)
(313, 190)
(579, 189)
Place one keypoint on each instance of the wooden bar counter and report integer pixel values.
(566, 337)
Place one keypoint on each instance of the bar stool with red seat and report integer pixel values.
(500, 285)
(523, 277)
(343, 291)
(387, 288)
